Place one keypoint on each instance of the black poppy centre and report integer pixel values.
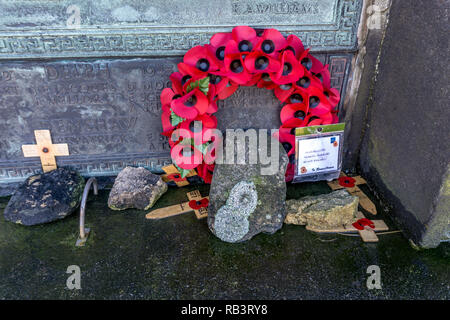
(261, 63)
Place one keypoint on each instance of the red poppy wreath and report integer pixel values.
(243, 57)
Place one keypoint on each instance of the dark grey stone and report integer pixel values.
(405, 152)
(136, 188)
(45, 198)
(88, 28)
(108, 112)
(243, 202)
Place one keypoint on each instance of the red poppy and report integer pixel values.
(271, 42)
(201, 58)
(218, 42)
(198, 204)
(259, 62)
(235, 69)
(287, 140)
(205, 171)
(362, 223)
(295, 45)
(290, 71)
(186, 156)
(294, 111)
(191, 104)
(310, 63)
(175, 177)
(317, 102)
(347, 182)
(245, 38)
(307, 81)
(298, 96)
(198, 126)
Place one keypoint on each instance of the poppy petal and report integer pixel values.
(166, 96)
(227, 91)
(295, 45)
(283, 91)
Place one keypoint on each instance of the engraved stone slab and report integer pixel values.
(88, 28)
(252, 107)
(108, 112)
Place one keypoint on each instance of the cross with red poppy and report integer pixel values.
(196, 203)
(351, 183)
(172, 174)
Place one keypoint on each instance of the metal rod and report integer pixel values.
(91, 181)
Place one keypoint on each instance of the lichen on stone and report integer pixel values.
(325, 211)
(231, 221)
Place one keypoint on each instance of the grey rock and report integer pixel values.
(243, 202)
(323, 212)
(46, 197)
(136, 188)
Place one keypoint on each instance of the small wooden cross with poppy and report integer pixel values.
(196, 203)
(351, 183)
(172, 174)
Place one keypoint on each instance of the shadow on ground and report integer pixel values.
(129, 257)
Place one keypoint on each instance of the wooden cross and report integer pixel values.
(45, 149)
(364, 201)
(172, 171)
(367, 234)
(181, 208)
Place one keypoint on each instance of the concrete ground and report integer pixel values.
(129, 257)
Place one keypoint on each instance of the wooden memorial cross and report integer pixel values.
(172, 174)
(45, 149)
(364, 201)
(367, 234)
(200, 207)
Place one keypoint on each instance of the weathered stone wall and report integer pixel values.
(405, 152)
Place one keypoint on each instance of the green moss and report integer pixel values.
(129, 257)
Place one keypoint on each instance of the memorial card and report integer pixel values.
(318, 152)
